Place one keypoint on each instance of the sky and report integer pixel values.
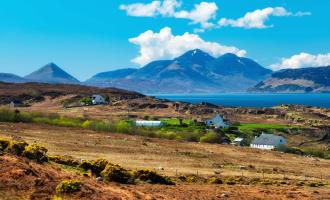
(85, 37)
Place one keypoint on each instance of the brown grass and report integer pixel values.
(175, 157)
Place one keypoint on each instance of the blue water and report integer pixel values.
(252, 100)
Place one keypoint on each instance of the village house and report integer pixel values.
(267, 141)
(148, 123)
(97, 99)
(216, 122)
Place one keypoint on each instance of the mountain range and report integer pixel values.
(193, 72)
(313, 79)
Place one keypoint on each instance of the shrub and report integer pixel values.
(116, 173)
(35, 152)
(69, 186)
(152, 177)
(255, 180)
(211, 137)
(300, 183)
(97, 166)
(86, 165)
(64, 160)
(4, 143)
(214, 180)
(315, 184)
(182, 178)
(17, 147)
(234, 181)
(86, 101)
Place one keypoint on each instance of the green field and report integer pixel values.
(264, 127)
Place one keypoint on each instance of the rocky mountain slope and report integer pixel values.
(314, 79)
(193, 72)
(51, 73)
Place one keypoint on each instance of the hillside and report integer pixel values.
(51, 73)
(193, 72)
(11, 78)
(314, 79)
(38, 91)
(190, 165)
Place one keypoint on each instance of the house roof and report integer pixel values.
(238, 139)
(268, 139)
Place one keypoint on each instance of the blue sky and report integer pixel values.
(85, 37)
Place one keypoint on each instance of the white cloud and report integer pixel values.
(201, 14)
(257, 18)
(165, 45)
(303, 60)
(141, 10)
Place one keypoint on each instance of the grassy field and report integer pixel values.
(266, 127)
(174, 156)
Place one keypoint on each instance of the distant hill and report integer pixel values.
(193, 72)
(11, 78)
(102, 77)
(51, 73)
(313, 79)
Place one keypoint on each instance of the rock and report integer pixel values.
(99, 179)
(224, 195)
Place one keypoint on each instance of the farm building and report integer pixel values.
(217, 121)
(97, 99)
(148, 123)
(16, 103)
(267, 141)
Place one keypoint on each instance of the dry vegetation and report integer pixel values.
(174, 156)
(182, 160)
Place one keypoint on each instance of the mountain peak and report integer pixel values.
(51, 73)
(195, 56)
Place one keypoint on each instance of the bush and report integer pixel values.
(17, 147)
(4, 143)
(152, 177)
(211, 137)
(292, 150)
(86, 165)
(35, 152)
(116, 173)
(234, 181)
(86, 101)
(214, 180)
(69, 186)
(315, 184)
(97, 166)
(64, 160)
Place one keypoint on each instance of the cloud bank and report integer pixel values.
(258, 18)
(201, 14)
(303, 60)
(165, 45)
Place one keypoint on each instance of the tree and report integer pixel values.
(86, 101)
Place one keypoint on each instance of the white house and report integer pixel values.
(217, 122)
(267, 141)
(97, 99)
(148, 123)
